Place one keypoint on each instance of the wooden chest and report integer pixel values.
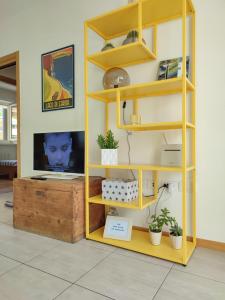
(56, 208)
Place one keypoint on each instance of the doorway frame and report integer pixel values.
(6, 61)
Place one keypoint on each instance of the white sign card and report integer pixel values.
(118, 228)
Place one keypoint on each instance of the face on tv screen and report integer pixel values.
(59, 152)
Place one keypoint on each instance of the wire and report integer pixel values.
(149, 209)
(128, 140)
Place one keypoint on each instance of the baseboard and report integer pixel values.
(200, 242)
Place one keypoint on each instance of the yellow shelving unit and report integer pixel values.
(140, 15)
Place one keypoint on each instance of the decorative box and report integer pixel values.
(119, 190)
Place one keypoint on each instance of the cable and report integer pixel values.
(149, 209)
(128, 140)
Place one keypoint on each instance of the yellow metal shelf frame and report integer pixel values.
(140, 242)
(139, 15)
(123, 56)
(149, 89)
(119, 21)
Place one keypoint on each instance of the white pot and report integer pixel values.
(176, 241)
(109, 156)
(155, 237)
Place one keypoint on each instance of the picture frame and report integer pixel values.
(57, 71)
(118, 228)
(172, 68)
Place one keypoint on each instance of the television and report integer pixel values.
(59, 152)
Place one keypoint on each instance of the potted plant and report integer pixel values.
(132, 37)
(108, 146)
(155, 227)
(176, 235)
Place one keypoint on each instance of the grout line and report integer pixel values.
(148, 262)
(35, 268)
(199, 276)
(21, 262)
(162, 282)
(62, 292)
(75, 282)
(94, 291)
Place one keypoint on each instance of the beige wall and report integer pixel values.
(36, 27)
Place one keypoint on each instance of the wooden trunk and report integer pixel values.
(56, 208)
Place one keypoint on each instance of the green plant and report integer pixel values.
(132, 34)
(107, 142)
(158, 221)
(175, 229)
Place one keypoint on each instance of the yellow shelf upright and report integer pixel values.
(140, 15)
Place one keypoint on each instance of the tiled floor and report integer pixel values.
(35, 267)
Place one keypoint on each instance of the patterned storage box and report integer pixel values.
(119, 190)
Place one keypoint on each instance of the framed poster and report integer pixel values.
(118, 228)
(57, 69)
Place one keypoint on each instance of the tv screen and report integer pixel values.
(59, 152)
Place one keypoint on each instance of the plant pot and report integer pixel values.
(176, 241)
(155, 237)
(109, 156)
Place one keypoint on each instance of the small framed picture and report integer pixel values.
(118, 228)
(172, 68)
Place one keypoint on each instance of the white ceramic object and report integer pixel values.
(155, 237)
(109, 156)
(119, 190)
(176, 241)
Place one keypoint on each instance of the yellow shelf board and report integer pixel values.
(150, 89)
(146, 201)
(119, 21)
(140, 167)
(131, 54)
(156, 126)
(140, 242)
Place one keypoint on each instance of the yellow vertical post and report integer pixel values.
(155, 179)
(135, 106)
(140, 21)
(193, 56)
(106, 129)
(86, 129)
(140, 202)
(154, 42)
(184, 131)
(118, 110)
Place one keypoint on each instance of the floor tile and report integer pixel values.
(6, 264)
(179, 285)
(207, 263)
(79, 293)
(124, 278)
(69, 261)
(145, 258)
(21, 245)
(24, 283)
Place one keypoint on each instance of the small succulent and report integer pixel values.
(107, 46)
(175, 229)
(107, 142)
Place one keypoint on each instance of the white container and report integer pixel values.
(119, 190)
(171, 155)
(155, 237)
(176, 241)
(109, 156)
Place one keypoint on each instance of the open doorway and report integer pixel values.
(9, 133)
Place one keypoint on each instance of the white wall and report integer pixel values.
(36, 27)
